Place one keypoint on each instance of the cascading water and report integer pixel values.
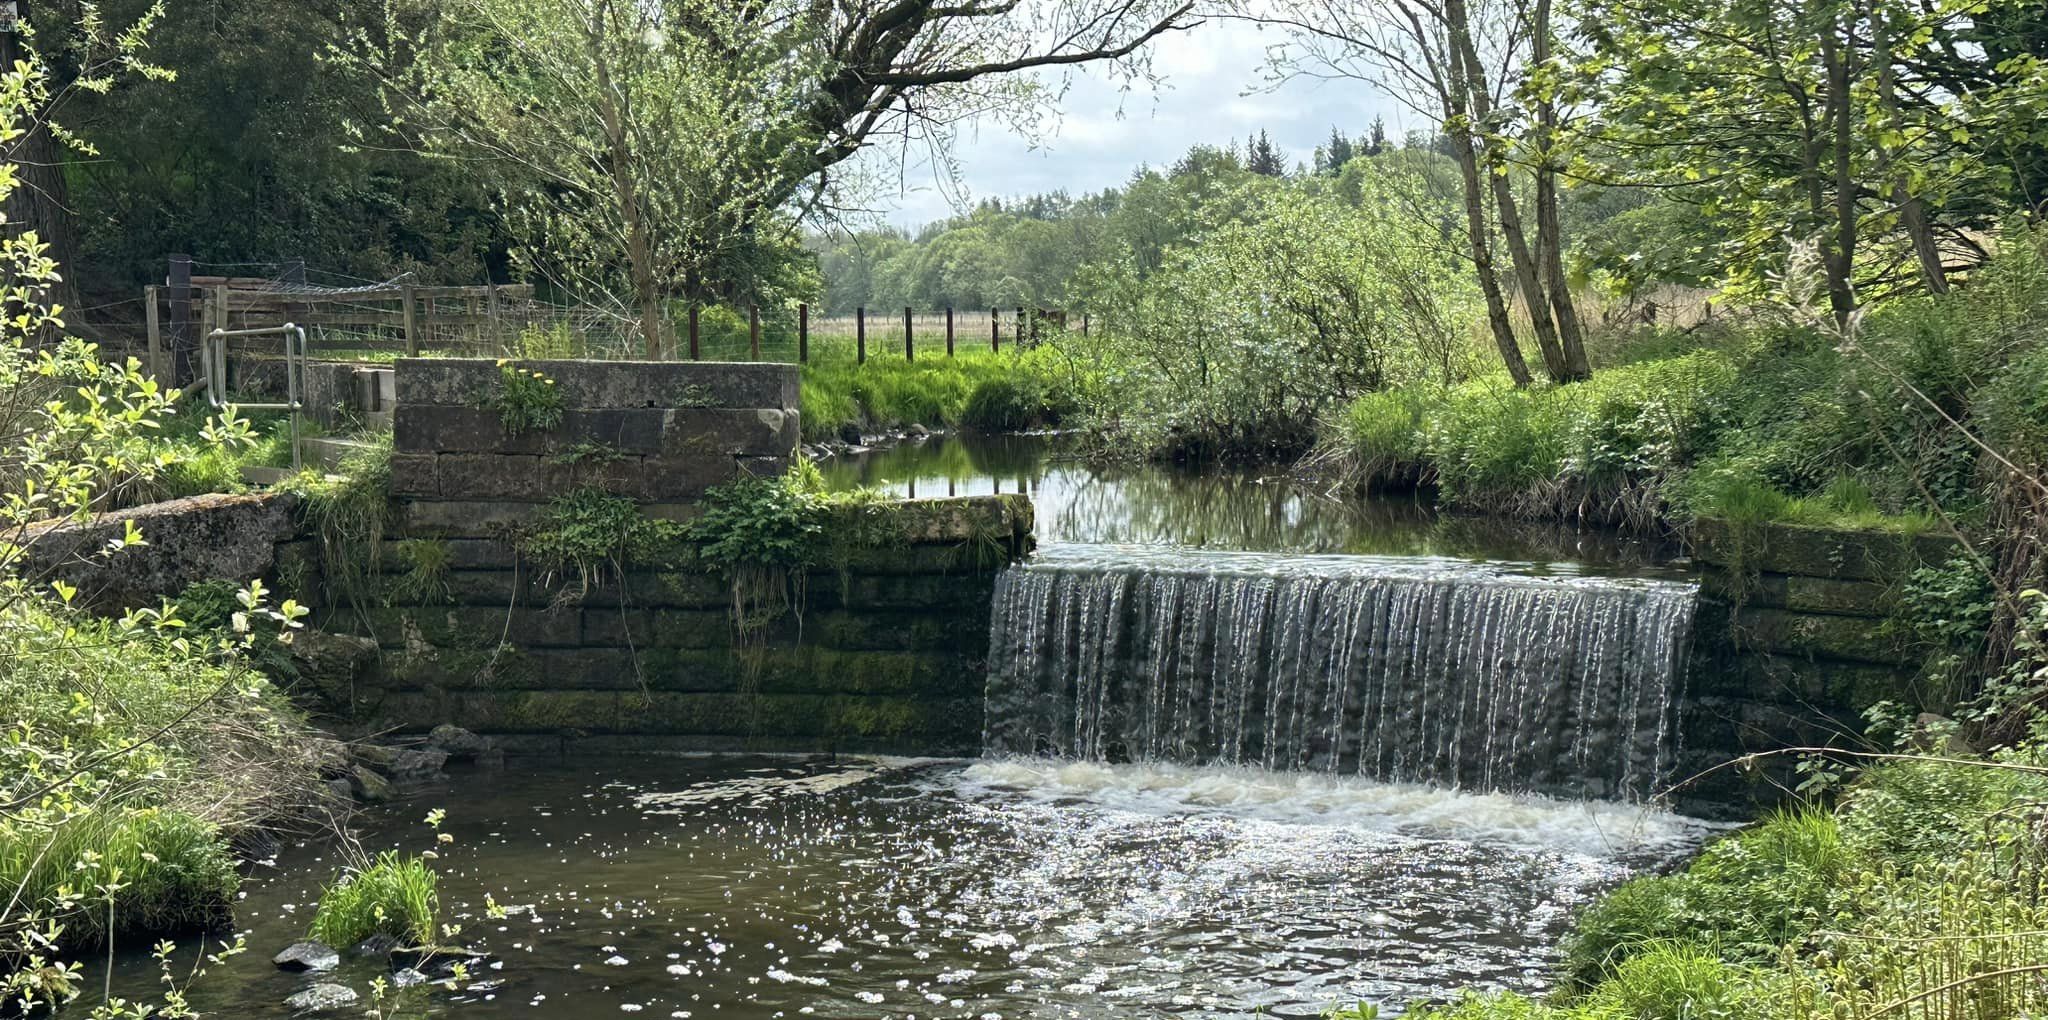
(1424, 670)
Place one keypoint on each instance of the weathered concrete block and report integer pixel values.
(706, 432)
(415, 476)
(189, 540)
(1817, 635)
(461, 382)
(442, 428)
(625, 477)
(464, 518)
(684, 477)
(535, 711)
(1818, 552)
(490, 476)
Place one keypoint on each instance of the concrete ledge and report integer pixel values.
(608, 384)
(203, 538)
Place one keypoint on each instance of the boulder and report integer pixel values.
(457, 743)
(417, 764)
(307, 956)
(322, 998)
(849, 433)
(378, 945)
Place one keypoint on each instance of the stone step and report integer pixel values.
(264, 476)
(328, 452)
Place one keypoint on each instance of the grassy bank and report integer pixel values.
(995, 392)
(1919, 894)
(1765, 416)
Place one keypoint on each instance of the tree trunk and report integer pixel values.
(1840, 259)
(1480, 236)
(1912, 210)
(639, 251)
(1549, 235)
(40, 202)
(1469, 76)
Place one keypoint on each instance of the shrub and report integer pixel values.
(393, 895)
(1678, 981)
(1003, 405)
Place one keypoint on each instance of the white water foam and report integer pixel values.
(1597, 829)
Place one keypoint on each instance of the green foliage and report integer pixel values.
(553, 342)
(393, 895)
(526, 400)
(425, 580)
(760, 522)
(935, 391)
(591, 535)
(123, 872)
(349, 511)
(1004, 405)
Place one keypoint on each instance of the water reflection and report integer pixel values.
(1149, 504)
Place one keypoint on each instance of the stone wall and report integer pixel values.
(882, 650)
(1797, 635)
(659, 433)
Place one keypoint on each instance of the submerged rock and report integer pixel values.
(307, 955)
(408, 977)
(379, 944)
(321, 998)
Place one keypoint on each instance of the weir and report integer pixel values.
(1401, 669)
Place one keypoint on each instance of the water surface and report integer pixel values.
(1016, 888)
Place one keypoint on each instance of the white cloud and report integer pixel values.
(1215, 92)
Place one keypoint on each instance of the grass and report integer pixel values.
(1010, 390)
(392, 895)
(1921, 887)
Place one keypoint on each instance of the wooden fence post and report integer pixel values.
(860, 335)
(695, 353)
(156, 337)
(995, 331)
(909, 337)
(1020, 326)
(949, 331)
(408, 313)
(803, 334)
(1084, 323)
(178, 282)
(753, 331)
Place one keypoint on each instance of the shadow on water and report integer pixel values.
(1222, 508)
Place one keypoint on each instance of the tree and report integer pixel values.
(1377, 143)
(1833, 120)
(1263, 159)
(1331, 158)
(663, 147)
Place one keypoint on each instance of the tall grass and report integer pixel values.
(392, 895)
(936, 391)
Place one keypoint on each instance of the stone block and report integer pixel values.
(724, 714)
(1818, 635)
(464, 518)
(442, 428)
(589, 669)
(492, 712)
(670, 479)
(624, 430)
(1882, 556)
(490, 476)
(415, 476)
(625, 477)
(709, 431)
(459, 382)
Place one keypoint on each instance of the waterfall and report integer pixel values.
(1425, 670)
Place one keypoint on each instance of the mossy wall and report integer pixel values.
(1798, 633)
(882, 650)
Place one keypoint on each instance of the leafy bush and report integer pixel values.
(1003, 405)
(393, 895)
(1678, 981)
(526, 400)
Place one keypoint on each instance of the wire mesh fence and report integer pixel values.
(351, 320)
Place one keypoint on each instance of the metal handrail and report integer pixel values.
(214, 368)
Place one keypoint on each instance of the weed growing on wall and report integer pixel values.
(525, 400)
(425, 581)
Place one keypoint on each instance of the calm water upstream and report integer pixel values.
(1023, 888)
(757, 887)
(1229, 509)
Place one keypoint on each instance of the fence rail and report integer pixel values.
(378, 321)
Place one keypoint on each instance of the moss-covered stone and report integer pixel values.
(1816, 635)
(537, 711)
(1817, 552)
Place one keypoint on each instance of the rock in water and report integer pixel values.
(418, 764)
(307, 955)
(321, 998)
(368, 785)
(379, 944)
(457, 742)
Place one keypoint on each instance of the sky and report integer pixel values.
(1214, 92)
